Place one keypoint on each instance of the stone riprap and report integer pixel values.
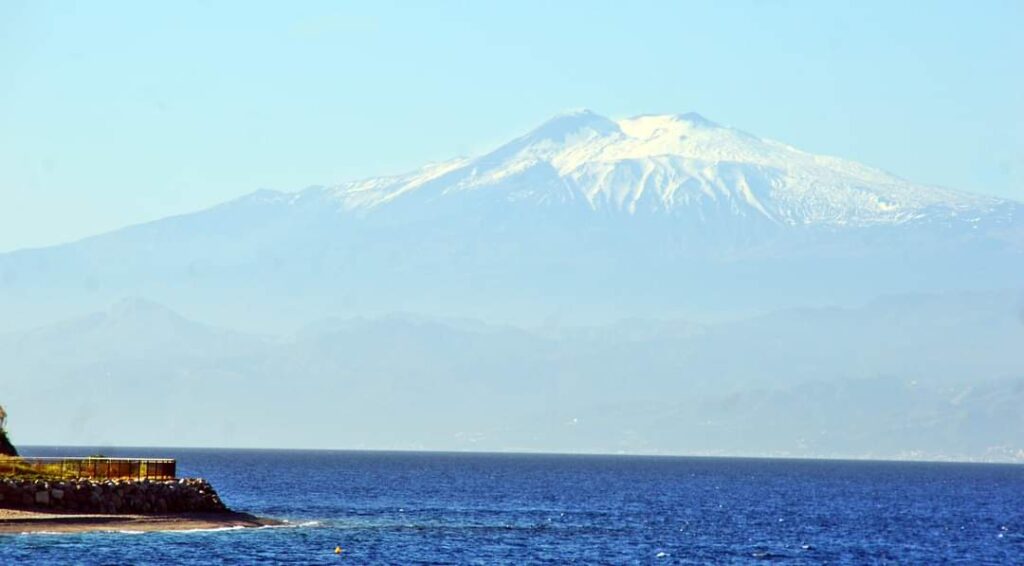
(183, 495)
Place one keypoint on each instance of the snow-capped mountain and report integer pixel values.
(600, 219)
(680, 165)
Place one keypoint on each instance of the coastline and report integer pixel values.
(18, 521)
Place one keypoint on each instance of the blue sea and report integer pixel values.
(447, 508)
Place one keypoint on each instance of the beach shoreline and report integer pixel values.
(18, 521)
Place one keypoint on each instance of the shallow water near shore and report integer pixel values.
(409, 508)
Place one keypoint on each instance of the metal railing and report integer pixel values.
(97, 468)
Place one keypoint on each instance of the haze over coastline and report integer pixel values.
(780, 229)
(535, 298)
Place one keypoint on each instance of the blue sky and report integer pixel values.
(115, 113)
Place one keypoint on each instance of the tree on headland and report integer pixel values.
(6, 448)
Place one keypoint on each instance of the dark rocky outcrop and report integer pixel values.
(186, 495)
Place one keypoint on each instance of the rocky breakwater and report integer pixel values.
(186, 495)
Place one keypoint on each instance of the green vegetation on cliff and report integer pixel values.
(6, 448)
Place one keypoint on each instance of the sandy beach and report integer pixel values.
(14, 521)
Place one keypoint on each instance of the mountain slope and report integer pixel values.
(584, 217)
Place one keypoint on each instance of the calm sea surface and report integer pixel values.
(432, 508)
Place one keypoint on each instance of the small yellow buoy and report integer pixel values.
(337, 550)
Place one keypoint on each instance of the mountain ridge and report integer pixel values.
(683, 160)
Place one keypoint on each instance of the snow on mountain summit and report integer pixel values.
(677, 164)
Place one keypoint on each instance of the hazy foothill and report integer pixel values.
(656, 284)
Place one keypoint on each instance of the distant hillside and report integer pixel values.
(934, 376)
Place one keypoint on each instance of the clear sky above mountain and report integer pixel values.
(117, 113)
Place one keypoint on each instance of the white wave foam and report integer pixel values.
(286, 524)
